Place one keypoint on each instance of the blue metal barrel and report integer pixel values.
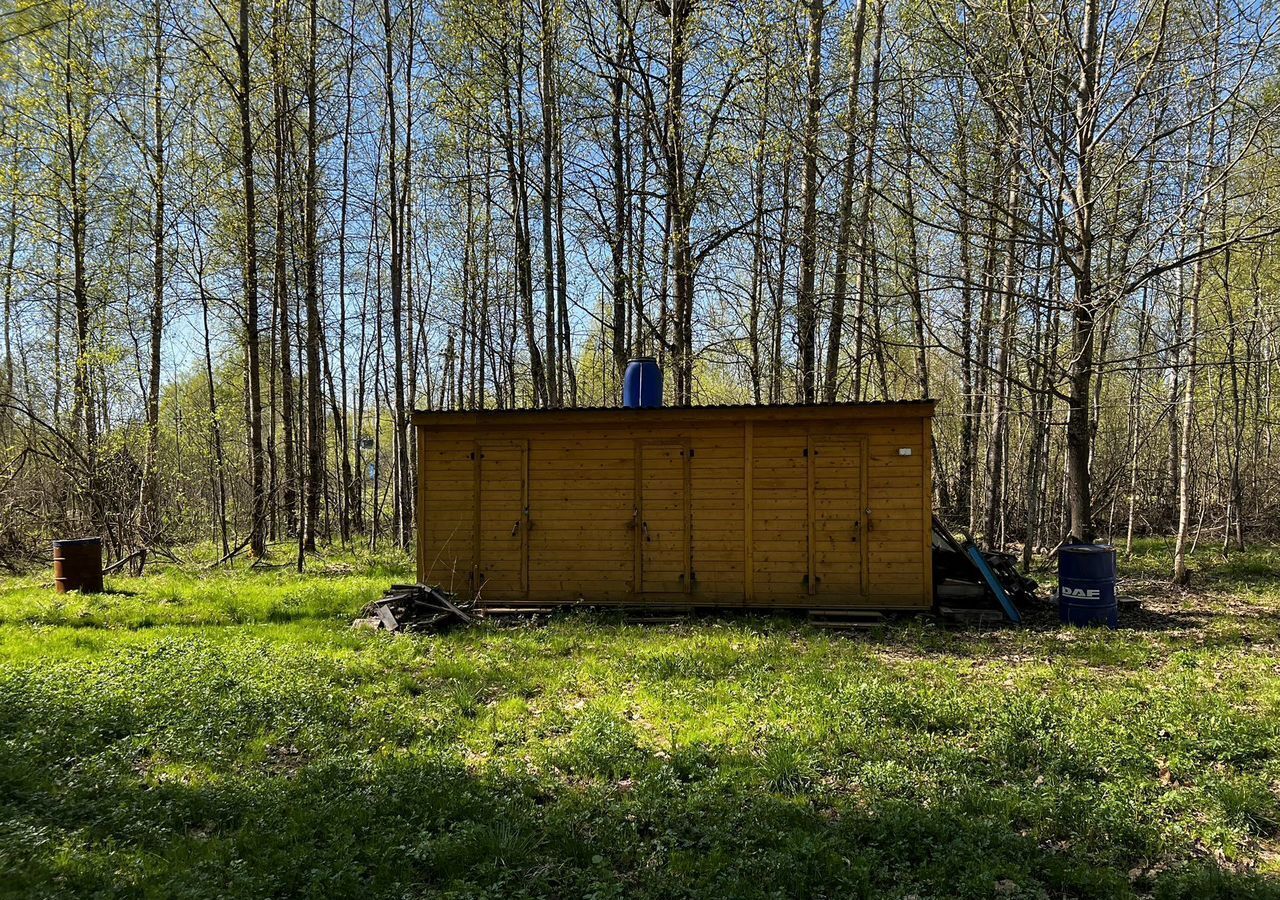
(1087, 584)
(642, 384)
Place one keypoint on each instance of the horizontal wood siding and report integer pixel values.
(582, 539)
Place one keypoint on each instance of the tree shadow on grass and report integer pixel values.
(1141, 633)
(1158, 624)
(163, 784)
(1043, 617)
(421, 823)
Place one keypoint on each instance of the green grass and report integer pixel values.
(206, 733)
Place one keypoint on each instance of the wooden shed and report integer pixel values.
(825, 506)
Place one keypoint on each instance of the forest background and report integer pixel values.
(243, 240)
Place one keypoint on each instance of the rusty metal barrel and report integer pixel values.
(77, 565)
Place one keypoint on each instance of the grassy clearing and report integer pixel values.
(226, 734)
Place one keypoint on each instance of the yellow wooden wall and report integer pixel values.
(745, 512)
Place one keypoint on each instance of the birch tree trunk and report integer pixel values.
(311, 250)
(150, 505)
(280, 279)
(547, 89)
(864, 212)
(258, 526)
(1084, 307)
(806, 300)
(1186, 412)
(840, 286)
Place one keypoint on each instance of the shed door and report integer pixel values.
(839, 525)
(662, 510)
(779, 515)
(501, 520)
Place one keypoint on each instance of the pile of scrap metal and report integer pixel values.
(972, 584)
(414, 607)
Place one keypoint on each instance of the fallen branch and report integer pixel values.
(140, 553)
(232, 555)
(167, 554)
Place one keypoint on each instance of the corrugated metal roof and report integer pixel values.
(717, 406)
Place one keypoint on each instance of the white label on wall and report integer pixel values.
(904, 451)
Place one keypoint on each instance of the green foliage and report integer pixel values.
(215, 733)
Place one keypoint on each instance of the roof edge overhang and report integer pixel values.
(885, 409)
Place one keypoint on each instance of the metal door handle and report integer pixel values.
(515, 528)
(644, 526)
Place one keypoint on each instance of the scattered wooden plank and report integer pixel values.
(413, 607)
(973, 616)
(437, 596)
(386, 616)
(517, 610)
(846, 619)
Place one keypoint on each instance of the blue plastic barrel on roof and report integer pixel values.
(642, 384)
